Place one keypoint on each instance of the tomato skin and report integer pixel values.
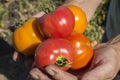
(80, 19)
(27, 37)
(83, 50)
(51, 49)
(59, 23)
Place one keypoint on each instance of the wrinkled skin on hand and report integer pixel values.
(54, 72)
(104, 66)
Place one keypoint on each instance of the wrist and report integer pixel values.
(115, 44)
(117, 51)
(88, 6)
(74, 2)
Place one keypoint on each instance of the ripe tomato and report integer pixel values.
(59, 23)
(26, 38)
(55, 51)
(83, 50)
(80, 19)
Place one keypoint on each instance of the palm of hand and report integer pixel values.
(104, 65)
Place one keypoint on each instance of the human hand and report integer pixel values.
(105, 64)
(51, 72)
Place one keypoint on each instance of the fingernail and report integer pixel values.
(51, 72)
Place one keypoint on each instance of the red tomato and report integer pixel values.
(55, 51)
(83, 50)
(59, 23)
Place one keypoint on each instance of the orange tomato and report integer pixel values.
(80, 18)
(26, 38)
(83, 50)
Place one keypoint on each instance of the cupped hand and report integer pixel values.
(105, 64)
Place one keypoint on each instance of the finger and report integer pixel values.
(38, 75)
(59, 74)
(40, 14)
(16, 56)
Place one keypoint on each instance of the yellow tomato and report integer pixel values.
(80, 19)
(26, 38)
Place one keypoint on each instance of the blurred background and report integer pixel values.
(13, 13)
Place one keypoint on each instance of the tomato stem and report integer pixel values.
(62, 62)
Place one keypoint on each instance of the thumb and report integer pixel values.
(59, 74)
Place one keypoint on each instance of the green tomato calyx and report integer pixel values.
(62, 62)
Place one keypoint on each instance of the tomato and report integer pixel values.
(55, 51)
(83, 50)
(59, 23)
(80, 18)
(26, 38)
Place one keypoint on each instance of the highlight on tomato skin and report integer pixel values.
(80, 18)
(83, 50)
(56, 51)
(59, 23)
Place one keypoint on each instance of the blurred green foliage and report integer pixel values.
(16, 12)
(3, 13)
(96, 27)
